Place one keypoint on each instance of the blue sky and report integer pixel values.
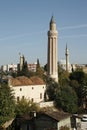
(24, 25)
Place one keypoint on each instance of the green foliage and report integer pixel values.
(63, 76)
(24, 71)
(31, 74)
(13, 74)
(25, 107)
(71, 93)
(7, 104)
(79, 83)
(52, 87)
(78, 76)
(45, 67)
(75, 85)
(64, 128)
(39, 70)
(66, 99)
(38, 64)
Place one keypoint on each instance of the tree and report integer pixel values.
(64, 128)
(45, 67)
(24, 71)
(7, 104)
(38, 64)
(77, 75)
(39, 70)
(75, 85)
(25, 107)
(79, 83)
(52, 87)
(66, 99)
(84, 93)
(63, 76)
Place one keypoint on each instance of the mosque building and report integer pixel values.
(64, 63)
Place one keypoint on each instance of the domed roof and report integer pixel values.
(62, 61)
(15, 82)
(36, 80)
(23, 81)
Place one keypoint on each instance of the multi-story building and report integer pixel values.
(9, 67)
(81, 66)
(32, 67)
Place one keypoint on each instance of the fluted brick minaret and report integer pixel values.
(52, 51)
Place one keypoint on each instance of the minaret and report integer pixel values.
(52, 68)
(22, 60)
(67, 58)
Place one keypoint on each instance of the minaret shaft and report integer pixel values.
(67, 59)
(22, 60)
(52, 51)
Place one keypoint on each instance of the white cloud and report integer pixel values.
(73, 27)
(73, 36)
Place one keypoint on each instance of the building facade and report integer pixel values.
(52, 120)
(28, 88)
(9, 67)
(32, 67)
(62, 64)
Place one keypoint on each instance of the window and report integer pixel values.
(32, 100)
(22, 97)
(40, 95)
(18, 99)
(20, 89)
(32, 87)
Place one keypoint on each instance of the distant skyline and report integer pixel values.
(24, 25)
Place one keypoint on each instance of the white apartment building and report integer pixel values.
(9, 67)
(32, 89)
(32, 67)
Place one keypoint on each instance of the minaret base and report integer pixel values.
(54, 77)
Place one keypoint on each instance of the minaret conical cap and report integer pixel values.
(66, 45)
(67, 51)
(52, 24)
(52, 19)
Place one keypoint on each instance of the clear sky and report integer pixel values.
(24, 25)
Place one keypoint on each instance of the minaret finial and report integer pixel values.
(66, 45)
